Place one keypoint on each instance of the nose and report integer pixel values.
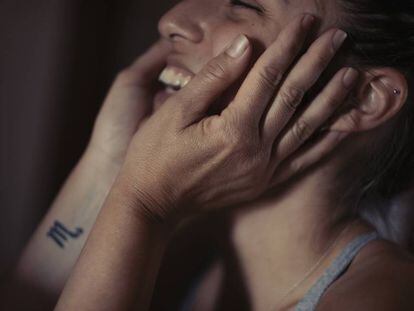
(182, 23)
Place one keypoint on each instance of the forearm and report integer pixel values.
(55, 246)
(119, 264)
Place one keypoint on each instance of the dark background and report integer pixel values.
(57, 61)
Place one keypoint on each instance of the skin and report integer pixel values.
(255, 224)
(43, 267)
(173, 138)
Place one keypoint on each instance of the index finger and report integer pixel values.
(266, 75)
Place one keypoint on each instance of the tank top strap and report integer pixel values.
(340, 264)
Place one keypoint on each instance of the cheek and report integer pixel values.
(260, 37)
(211, 48)
(222, 39)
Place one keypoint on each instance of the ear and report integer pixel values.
(379, 95)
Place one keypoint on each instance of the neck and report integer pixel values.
(277, 240)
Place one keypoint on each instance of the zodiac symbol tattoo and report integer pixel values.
(60, 234)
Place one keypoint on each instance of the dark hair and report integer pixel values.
(381, 34)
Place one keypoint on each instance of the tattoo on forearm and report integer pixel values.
(60, 234)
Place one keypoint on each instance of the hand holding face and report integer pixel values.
(182, 161)
(127, 104)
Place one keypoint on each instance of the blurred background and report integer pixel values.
(57, 61)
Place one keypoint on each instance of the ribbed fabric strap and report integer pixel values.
(340, 264)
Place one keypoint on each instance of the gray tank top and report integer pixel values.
(340, 264)
(334, 271)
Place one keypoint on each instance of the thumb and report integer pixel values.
(129, 99)
(215, 77)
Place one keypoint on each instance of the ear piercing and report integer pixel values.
(397, 92)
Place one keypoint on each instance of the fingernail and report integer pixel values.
(339, 38)
(238, 47)
(307, 21)
(350, 77)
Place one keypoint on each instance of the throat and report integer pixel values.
(283, 245)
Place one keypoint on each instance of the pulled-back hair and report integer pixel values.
(381, 34)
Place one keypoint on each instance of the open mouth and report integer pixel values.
(174, 78)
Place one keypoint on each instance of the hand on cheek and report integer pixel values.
(183, 160)
(256, 49)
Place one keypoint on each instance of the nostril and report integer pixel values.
(176, 26)
(173, 36)
(183, 30)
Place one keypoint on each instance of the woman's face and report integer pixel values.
(200, 29)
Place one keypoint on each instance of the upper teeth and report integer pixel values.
(171, 78)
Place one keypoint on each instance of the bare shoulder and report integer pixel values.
(380, 278)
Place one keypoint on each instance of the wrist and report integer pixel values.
(104, 165)
(150, 204)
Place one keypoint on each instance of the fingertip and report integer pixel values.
(238, 47)
(350, 77)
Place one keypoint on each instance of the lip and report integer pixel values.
(179, 67)
(163, 94)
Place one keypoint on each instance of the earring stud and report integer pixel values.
(397, 92)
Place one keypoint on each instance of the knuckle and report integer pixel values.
(215, 70)
(291, 97)
(301, 130)
(270, 76)
(213, 125)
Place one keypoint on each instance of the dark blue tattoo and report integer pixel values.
(60, 234)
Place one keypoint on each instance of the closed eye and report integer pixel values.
(245, 5)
